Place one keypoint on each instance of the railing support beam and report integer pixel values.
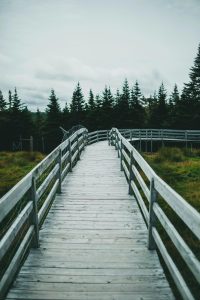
(152, 216)
(34, 216)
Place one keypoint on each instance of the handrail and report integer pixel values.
(161, 134)
(98, 135)
(131, 163)
(29, 200)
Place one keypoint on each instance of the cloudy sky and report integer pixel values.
(48, 44)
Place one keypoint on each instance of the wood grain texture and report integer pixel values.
(93, 243)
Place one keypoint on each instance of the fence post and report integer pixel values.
(131, 175)
(35, 241)
(121, 156)
(186, 137)
(97, 135)
(60, 171)
(70, 156)
(108, 137)
(77, 139)
(31, 143)
(152, 216)
(116, 138)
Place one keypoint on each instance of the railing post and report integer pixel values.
(186, 138)
(97, 135)
(77, 139)
(121, 156)
(112, 144)
(140, 141)
(70, 156)
(152, 216)
(108, 137)
(60, 171)
(131, 175)
(116, 141)
(35, 222)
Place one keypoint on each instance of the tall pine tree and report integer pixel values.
(53, 122)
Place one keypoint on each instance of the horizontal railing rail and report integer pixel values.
(98, 135)
(147, 186)
(161, 134)
(24, 207)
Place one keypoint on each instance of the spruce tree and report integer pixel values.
(91, 101)
(16, 103)
(192, 89)
(77, 104)
(175, 97)
(53, 122)
(10, 100)
(3, 103)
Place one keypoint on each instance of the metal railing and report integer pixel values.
(146, 185)
(24, 207)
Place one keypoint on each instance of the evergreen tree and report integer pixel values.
(125, 97)
(136, 96)
(122, 108)
(192, 89)
(174, 98)
(3, 103)
(53, 122)
(66, 117)
(10, 100)
(158, 117)
(77, 104)
(16, 103)
(91, 101)
(137, 111)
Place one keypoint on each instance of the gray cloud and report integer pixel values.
(54, 44)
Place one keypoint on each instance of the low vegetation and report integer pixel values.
(180, 168)
(14, 166)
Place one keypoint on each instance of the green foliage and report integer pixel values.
(14, 166)
(171, 154)
(180, 168)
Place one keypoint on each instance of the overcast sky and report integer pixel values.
(48, 44)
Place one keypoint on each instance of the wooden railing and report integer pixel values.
(24, 207)
(98, 135)
(147, 186)
(161, 134)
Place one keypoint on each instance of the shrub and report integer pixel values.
(170, 154)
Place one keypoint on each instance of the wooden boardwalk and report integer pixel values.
(93, 243)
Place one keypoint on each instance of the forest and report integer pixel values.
(127, 108)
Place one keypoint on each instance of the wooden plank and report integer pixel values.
(47, 202)
(14, 229)
(141, 182)
(183, 209)
(176, 275)
(46, 295)
(188, 256)
(12, 197)
(140, 202)
(47, 180)
(15, 263)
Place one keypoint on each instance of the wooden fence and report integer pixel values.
(145, 183)
(24, 207)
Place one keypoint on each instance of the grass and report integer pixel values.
(14, 166)
(180, 168)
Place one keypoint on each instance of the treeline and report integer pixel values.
(127, 108)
